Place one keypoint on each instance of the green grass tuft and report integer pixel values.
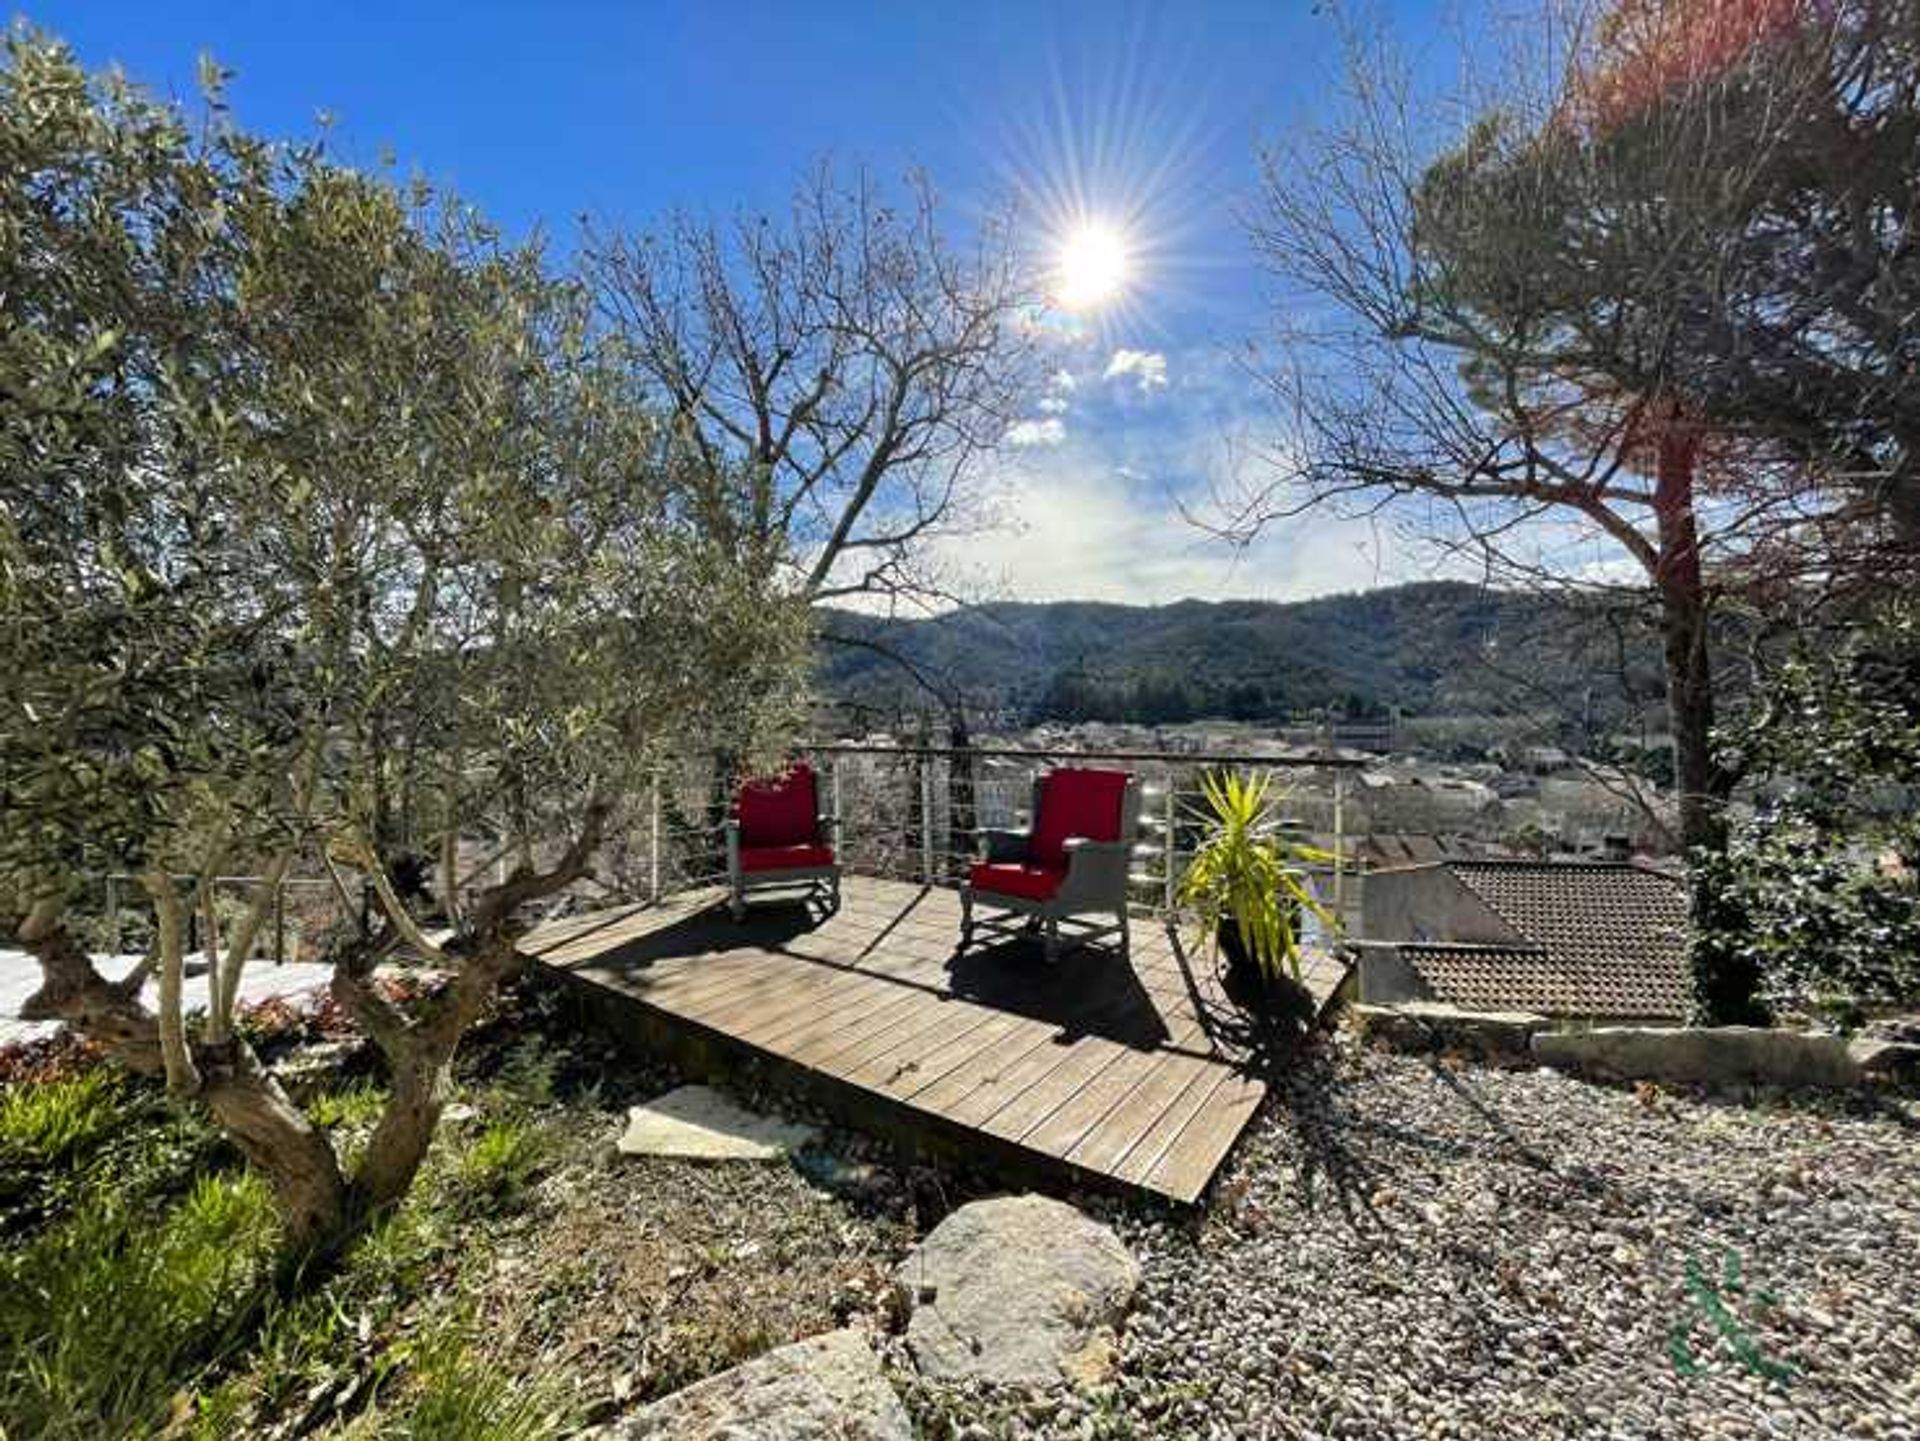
(100, 1315)
(502, 1160)
(53, 1123)
(351, 1107)
(451, 1394)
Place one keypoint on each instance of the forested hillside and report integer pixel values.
(1430, 648)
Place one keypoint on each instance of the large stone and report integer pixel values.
(1435, 1026)
(1718, 1056)
(699, 1123)
(826, 1388)
(1021, 1290)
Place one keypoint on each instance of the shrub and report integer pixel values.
(1815, 895)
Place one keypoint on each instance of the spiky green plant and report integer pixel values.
(1247, 872)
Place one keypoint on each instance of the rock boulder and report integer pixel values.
(826, 1388)
(1020, 1290)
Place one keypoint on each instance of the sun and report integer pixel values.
(1092, 268)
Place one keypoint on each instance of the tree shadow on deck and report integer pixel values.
(1089, 992)
(769, 926)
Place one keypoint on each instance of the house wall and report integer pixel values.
(1383, 978)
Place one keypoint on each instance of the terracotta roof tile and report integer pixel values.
(1602, 940)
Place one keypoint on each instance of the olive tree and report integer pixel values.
(329, 545)
(838, 371)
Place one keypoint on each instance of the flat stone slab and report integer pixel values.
(699, 1123)
(1021, 1290)
(826, 1388)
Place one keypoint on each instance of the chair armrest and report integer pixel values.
(1096, 872)
(827, 825)
(1004, 844)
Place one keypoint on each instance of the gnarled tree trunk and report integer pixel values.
(293, 1154)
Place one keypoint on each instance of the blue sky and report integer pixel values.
(541, 114)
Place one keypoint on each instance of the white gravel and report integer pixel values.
(1402, 1248)
(261, 981)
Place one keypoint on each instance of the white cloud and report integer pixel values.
(1025, 434)
(1062, 380)
(1078, 528)
(1052, 405)
(1146, 368)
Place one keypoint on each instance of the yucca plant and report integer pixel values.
(1247, 874)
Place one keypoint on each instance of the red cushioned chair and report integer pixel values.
(1069, 864)
(779, 837)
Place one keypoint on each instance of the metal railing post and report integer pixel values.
(1167, 844)
(926, 818)
(113, 914)
(653, 840)
(1339, 844)
(839, 814)
(279, 923)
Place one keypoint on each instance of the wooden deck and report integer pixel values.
(1096, 1070)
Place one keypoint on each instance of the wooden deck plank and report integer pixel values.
(818, 1051)
(937, 1016)
(843, 991)
(1189, 1163)
(1018, 1114)
(1108, 1140)
(872, 994)
(1140, 1158)
(963, 1028)
(1061, 1130)
(776, 988)
(1103, 1066)
(943, 1061)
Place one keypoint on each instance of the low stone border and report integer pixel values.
(1727, 1056)
(1681, 1055)
(1503, 1037)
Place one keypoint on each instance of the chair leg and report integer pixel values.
(1126, 937)
(1052, 942)
(737, 905)
(966, 919)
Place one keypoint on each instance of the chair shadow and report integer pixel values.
(1089, 992)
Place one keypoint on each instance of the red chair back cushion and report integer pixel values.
(1075, 802)
(779, 812)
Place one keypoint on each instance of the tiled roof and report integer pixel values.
(1602, 940)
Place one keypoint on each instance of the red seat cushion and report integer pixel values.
(779, 812)
(785, 858)
(1033, 883)
(1075, 802)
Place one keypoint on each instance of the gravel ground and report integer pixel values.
(1402, 1247)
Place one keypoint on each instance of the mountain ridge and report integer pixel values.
(1426, 647)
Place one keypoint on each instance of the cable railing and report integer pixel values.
(914, 812)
